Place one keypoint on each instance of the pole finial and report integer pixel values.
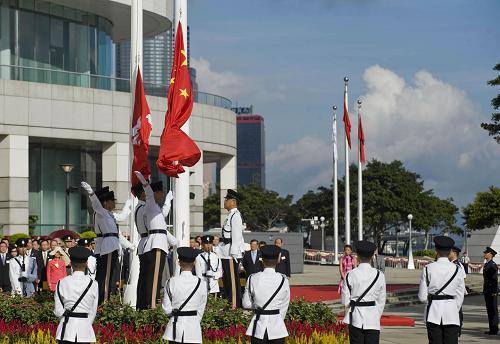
(359, 103)
(335, 108)
(346, 79)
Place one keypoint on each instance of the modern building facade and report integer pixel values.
(251, 147)
(61, 103)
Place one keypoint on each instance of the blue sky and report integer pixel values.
(420, 66)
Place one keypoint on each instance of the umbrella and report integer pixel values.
(62, 233)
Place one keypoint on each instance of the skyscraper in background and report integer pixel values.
(251, 147)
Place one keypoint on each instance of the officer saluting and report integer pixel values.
(490, 289)
(231, 248)
(107, 242)
(185, 299)
(363, 295)
(76, 301)
(442, 287)
(23, 271)
(267, 293)
(208, 266)
(158, 240)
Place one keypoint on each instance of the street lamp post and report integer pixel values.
(411, 265)
(397, 243)
(322, 225)
(67, 168)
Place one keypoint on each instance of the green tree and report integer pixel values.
(211, 211)
(263, 209)
(484, 211)
(494, 127)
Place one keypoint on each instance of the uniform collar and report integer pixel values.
(140, 202)
(269, 270)
(233, 210)
(364, 265)
(186, 273)
(443, 260)
(78, 273)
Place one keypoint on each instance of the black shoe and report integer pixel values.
(491, 333)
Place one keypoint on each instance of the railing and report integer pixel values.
(102, 82)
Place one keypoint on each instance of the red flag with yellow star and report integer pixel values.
(177, 149)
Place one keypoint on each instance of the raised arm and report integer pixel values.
(150, 195)
(168, 204)
(96, 204)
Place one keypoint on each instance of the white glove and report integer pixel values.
(169, 197)
(141, 178)
(133, 247)
(128, 204)
(87, 188)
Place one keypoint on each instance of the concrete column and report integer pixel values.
(196, 204)
(115, 173)
(14, 198)
(227, 181)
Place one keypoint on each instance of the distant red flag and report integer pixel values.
(141, 131)
(347, 122)
(175, 144)
(361, 138)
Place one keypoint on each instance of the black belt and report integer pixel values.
(144, 235)
(68, 315)
(258, 312)
(361, 303)
(157, 231)
(440, 297)
(107, 235)
(177, 313)
(227, 240)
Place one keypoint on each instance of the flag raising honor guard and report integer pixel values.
(361, 161)
(347, 124)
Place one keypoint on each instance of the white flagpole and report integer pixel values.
(130, 292)
(360, 182)
(347, 195)
(335, 191)
(181, 201)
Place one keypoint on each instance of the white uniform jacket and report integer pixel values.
(104, 223)
(232, 229)
(141, 224)
(70, 289)
(359, 279)
(177, 290)
(91, 267)
(443, 312)
(209, 273)
(258, 290)
(30, 272)
(155, 220)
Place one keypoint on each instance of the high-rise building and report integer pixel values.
(251, 147)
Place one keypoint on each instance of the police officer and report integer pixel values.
(490, 289)
(107, 242)
(157, 243)
(442, 287)
(23, 271)
(267, 293)
(453, 257)
(91, 261)
(76, 301)
(208, 266)
(185, 299)
(363, 295)
(231, 248)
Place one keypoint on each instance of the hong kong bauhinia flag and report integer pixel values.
(141, 131)
(177, 149)
(347, 122)
(361, 138)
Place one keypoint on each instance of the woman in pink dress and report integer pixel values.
(56, 268)
(347, 262)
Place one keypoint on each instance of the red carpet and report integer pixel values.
(329, 292)
(392, 320)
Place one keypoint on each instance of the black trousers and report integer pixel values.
(231, 285)
(359, 336)
(6, 287)
(154, 261)
(442, 334)
(141, 283)
(492, 309)
(106, 266)
(265, 340)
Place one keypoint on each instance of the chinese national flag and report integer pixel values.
(141, 131)
(347, 122)
(177, 149)
(361, 138)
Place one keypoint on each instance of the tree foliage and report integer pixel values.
(484, 211)
(494, 127)
(211, 211)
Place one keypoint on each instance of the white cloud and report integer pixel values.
(432, 126)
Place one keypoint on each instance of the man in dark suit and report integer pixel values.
(284, 259)
(4, 268)
(42, 260)
(251, 259)
(490, 289)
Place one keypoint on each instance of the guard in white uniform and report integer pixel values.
(184, 300)
(76, 301)
(107, 242)
(442, 287)
(91, 261)
(208, 266)
(23, 271)
(231, 248)
(363, 295)
(157, 243)
(267, 293)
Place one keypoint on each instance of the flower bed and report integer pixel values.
(30, 321)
